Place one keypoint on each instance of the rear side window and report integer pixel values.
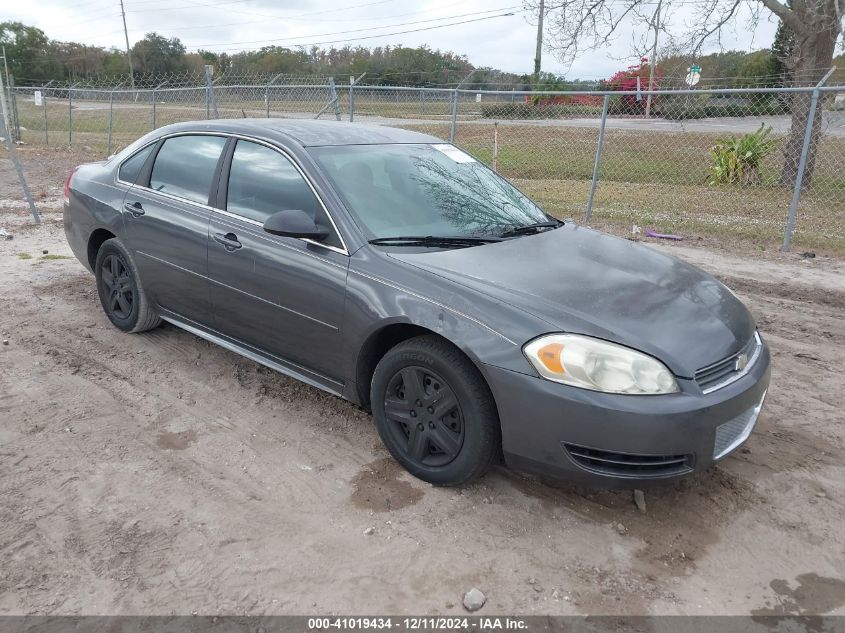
(262, 182)
(185, 166)
(131, 167)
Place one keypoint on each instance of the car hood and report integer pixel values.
(583, 281)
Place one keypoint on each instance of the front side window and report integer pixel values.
(262, 182)
(131, 167)
(424, 189)
(185, 166)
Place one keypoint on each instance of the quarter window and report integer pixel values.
(262, 182)
(131, 167)
(185, 166)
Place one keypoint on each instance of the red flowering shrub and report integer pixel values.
(627, 80)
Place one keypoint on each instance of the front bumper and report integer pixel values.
(611, 440)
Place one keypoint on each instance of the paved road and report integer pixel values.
(834, 123)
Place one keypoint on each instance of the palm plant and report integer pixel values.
(736, 160)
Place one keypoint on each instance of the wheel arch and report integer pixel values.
(97, 238)
(385, 337)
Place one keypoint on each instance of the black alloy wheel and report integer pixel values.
(435, 412)
(119, 291)
(425, 416)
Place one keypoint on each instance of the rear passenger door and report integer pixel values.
(282, 295)
(166, 214)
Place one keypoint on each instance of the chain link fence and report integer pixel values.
(715, 163)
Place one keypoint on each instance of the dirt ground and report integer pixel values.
(159, 474)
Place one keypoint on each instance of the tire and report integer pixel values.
(444, 441)
(125, 302)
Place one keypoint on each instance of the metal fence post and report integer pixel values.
(454, 128)
(10, 147)
(454, 124)
(111, 114)
(351, 105)
(210, 102)
(792, 216)
(70, 116)
(3, 107)
(599, 147)
(46, 118)
(495, 145)
(352, 83)
(267, 93)
(334, 98)
(155, 122)
(13, 106)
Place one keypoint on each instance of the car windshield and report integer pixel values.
(424, 190)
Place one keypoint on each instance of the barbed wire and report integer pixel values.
(442, 78)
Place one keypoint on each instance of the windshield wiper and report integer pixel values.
(434, 240)
(531, 228)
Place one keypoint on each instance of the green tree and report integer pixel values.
(158, 55)
(27, 51)
(757, 70)
(221, 62)
(783, 52)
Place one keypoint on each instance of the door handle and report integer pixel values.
(228, 240)
(134, 208)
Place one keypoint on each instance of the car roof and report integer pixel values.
(307, 132)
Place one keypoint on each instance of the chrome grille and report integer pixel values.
(734, 432)
(627, 464)
(726, 371)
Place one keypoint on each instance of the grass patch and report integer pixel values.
(24, 256)
(692, 211)
(522, 110)
(50, 256)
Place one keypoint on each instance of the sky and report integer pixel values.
(478, 29)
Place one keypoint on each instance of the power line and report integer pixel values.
(276, 16)
(99, 17)
(367, 19)
(371, 28)
(370, 37)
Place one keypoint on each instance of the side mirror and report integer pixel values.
(295, 223)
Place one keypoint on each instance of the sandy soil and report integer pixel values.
(159, 474)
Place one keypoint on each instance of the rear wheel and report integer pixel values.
(120, 291)
(434, 412)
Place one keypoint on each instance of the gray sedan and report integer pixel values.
(396, 271)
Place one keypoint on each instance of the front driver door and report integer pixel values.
(284, 296)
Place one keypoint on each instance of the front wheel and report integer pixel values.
(434, 412)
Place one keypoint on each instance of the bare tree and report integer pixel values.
(573, 26)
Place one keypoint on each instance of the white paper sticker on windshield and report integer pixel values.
(454, 153)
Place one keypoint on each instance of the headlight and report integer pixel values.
(590, 363)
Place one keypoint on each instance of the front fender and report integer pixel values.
(382, 292)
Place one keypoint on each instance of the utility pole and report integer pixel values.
(652, 62)
(539, 54)
(128, 52)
